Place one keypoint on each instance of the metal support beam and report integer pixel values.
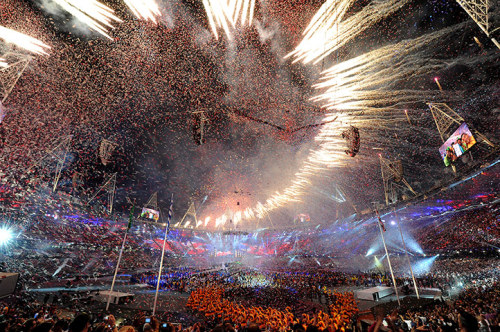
(391, 175)
(110, 188)
(191, 211)
(58, 153)
(12, 67)
(478, 11)
(444, 116)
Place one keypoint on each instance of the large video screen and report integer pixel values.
(458, 143)
(150, 214)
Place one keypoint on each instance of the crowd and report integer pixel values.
(467, 230)
(476, 309)
(213, 305)
(219, 302)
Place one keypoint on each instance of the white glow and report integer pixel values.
(94, 14)
(227, 14)
(5, 236)
(23, 41)
(144, 9)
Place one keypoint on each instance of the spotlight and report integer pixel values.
(5, 236)
(393, 222)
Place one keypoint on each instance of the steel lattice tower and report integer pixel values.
(13, 66)
(478, 11)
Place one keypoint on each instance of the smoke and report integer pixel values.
(65, 20)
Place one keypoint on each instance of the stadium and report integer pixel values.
(249, 165)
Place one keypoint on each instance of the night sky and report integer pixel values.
(140, 89)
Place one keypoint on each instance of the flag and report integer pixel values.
(170, 211)
(381, 223)
(131, 217)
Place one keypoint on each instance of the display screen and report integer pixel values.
(457, 144)
(150, 214)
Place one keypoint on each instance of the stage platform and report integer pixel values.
(8, 282)
(116, 297)
(374, 293)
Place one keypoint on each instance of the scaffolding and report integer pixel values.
(152, 202)
(12, 67)
(444, 116)
(478, 11)
(58, 153)
(392, 176)
(109, 187)
(106, 149)
(191, 211)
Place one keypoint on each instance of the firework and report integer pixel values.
(354, 91)
(227, 14)
(144, 9)
(323, 25)
(237, 218)
(23, 41)
(3, 63)
(326, 32)
(90, 12)
(372, 79)
(436, 79)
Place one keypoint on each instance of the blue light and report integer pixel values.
(6, 236)
(424, 266)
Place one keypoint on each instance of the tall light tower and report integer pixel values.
(12, 66)
(191, 211)
(478, 11)
(392, 175)
(110, 188)
(444, 117)
(59, 153)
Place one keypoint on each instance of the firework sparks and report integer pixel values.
(326, 33)
(23, 41)
(359, 85)
(144, 9)
(323, 25)
(93, 13)
(371, 79)
(227, 14)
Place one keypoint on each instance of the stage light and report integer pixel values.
(424, 266)
(377, 263)
(393, 222)
(370, 252)
(6, 236)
